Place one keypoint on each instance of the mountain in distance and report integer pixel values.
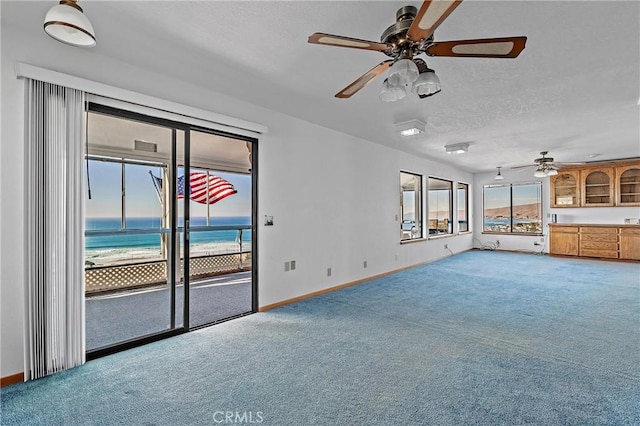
(521, 210)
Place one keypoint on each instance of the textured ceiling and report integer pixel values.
(574, 90)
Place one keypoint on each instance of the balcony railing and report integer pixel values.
(143, 274)
(152, 272)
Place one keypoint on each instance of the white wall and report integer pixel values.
(509, 242)
(590, 215)
(334, 198)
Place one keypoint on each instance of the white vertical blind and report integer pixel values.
(55, 229)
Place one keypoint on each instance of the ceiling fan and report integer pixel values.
(545, 166)
(410, 36)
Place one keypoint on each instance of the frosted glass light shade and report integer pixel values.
(540, 173)
(391, 93)
(427, 84)
(66, 23)
(403, 72)
(552, 172)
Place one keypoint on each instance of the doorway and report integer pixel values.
(170, 236)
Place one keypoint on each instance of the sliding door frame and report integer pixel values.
(187, 128)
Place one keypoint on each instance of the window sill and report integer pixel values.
(437, 237)
(413, 240)
(518, 234)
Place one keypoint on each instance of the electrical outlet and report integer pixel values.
(293, 265)
(497, 243)
(446, 246)
(364, 263)
(286, 266)
(328, 272)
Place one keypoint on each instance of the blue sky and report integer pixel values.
(499, 196)
(141, 197)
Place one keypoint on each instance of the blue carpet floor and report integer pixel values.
(483, 338)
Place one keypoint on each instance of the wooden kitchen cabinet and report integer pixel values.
(564, 240)
(565, 189)
(628, 185)
(599, 241)
(607, 184)
(602, 241)
(597, 187)
(629, 243)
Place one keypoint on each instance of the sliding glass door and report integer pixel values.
(220, 209)
(168, 241)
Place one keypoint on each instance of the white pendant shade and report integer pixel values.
(66, 23)
(403, 72)
(391, 93)
(427, 84)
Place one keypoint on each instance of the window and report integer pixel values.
(463, 207)
(513, 208)
(410, 206)
(440, 206)
(122, 197)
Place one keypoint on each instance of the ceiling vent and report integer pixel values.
(145, 146)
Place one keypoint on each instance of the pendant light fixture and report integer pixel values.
(499, 175)
(67, 23)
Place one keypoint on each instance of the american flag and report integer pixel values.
(205, 188)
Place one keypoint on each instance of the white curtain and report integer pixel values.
(54, 229)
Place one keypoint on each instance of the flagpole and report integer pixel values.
(155, 184)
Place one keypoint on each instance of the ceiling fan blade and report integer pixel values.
(524, 167)
(354, 43)
(504, 47)
(564, 163)
(364, 79)
(429, 17)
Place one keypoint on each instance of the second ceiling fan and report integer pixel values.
(410, 36)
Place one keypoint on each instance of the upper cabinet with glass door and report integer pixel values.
(607, 184)
(565, 189)
(628, 183)
(597, 187)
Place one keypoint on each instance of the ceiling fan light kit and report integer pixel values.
(412, 35)
(67, 23)
(544, 171)
(546, 166)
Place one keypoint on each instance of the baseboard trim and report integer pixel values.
(338, 287)
(12, 380)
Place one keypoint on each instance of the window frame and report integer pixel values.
(466, 207)
(511, 216)
(123, 162)
(417, 231)
(449, 230)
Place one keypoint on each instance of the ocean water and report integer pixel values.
(499, 224)
(107, 249)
